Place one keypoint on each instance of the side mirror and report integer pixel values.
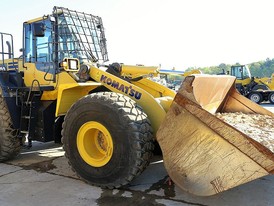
(39, 29)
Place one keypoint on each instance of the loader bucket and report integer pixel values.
(203, 154)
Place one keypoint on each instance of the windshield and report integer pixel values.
(80, 36)
(240, 72)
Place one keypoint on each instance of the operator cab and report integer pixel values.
(243, 78)
(241, 72)
(63, 40)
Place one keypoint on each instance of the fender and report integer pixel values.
(69, 93)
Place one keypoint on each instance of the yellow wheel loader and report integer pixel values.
(256, 89)
(109, 116)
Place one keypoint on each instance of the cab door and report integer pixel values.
(38, 53)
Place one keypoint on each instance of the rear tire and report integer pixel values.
(255, 97)
(9, 142)
(271, 97)
(108, 139)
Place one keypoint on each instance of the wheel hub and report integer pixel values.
(94, 144)
(255, 98)
(271, 97)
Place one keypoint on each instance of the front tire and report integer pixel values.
(108, 139)
(271, 98)
(255, 97)
(9, 142)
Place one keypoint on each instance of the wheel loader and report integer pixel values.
(110, 116)
(256, 89)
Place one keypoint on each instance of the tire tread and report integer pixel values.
(9, 142)
(133, 116)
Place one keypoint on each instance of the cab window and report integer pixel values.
(44, 44)
(38, 48)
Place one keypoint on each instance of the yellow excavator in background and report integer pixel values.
(256, 89)
(109, 116)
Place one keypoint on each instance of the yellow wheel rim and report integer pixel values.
(94, 144)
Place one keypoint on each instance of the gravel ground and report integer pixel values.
(258, 127)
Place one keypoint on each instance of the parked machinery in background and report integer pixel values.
(256, 89)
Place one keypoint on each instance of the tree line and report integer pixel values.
(264, 68)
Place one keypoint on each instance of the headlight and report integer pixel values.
(70, 64)
(73, 64)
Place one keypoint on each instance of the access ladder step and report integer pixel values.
(28, 103)
(27, 117)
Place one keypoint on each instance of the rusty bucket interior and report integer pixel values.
(203, 154)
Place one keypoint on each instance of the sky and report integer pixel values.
(171, 33)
